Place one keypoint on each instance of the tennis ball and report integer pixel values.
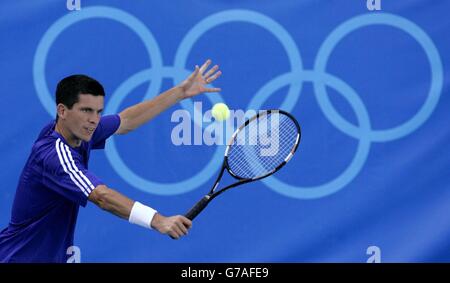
(220, 111)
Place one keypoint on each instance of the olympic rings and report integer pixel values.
(432, 56)
(293, 78)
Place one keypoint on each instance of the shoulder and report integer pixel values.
(45, 139)
(44, 146)
(55, 154)
(107, 127)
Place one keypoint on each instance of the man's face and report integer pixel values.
(82, 120)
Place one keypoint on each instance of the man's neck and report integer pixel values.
(71, 140)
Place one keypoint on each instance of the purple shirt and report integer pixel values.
(54, 183)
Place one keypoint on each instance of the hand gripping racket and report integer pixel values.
(257, 149)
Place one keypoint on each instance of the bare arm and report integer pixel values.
(136, 115)
(120, 205)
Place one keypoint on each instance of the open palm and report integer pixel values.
(197, 82)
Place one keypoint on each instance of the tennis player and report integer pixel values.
(56, 181)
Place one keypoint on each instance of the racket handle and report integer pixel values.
(198, 207)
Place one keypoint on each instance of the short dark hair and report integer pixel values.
(69, 88)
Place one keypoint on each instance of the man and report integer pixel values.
(56, 181)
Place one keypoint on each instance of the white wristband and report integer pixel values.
(141, 215)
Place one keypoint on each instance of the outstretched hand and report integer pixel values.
(197, 82)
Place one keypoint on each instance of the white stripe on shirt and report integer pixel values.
(61, 161)
(71, 169)
(77, 170)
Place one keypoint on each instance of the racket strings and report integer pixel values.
(264, 159)
(257, 160)
(270, 153)
(261, 146)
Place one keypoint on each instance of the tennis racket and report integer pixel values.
(257, 149)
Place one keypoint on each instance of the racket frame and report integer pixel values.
(200, 205)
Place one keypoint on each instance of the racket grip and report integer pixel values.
(198, 207)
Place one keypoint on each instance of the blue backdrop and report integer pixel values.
(370, 88)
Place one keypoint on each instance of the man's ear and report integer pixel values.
(61, 110)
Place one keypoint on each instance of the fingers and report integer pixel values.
(211, 71)
(213, 89)
(179, 227)
(177, 232)
(196, 82)
(205, 66)
(186, 222)
(195, 73)
(213, 77)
